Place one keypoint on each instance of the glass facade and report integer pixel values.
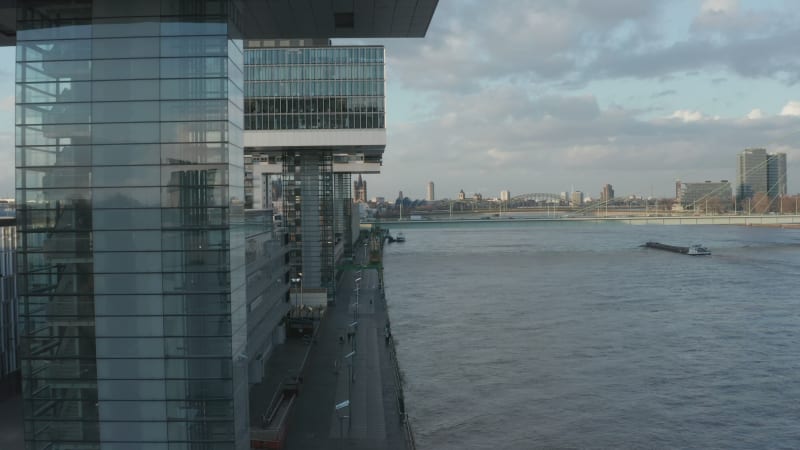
(315, 88)
(132, 251)
(9, 367)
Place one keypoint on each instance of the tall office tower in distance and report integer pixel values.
(759, 171)
(576, 198)
(430, 195)
(752, 173)
(130, 192)
(776, 174)
(607, 194)
(505, 196)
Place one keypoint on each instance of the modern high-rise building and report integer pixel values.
(505, 196)
(576, 199)
(430, 194)
(761, 172)
(136, 307)
(776, 175)
(607, 194)
(314, 115)
(752, 173)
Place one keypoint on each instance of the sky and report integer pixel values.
(555, 95)
(550, 96)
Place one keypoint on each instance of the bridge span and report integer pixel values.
(751, 220)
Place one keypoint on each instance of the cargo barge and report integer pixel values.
(694, 250)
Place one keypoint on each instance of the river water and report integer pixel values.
(552, 335)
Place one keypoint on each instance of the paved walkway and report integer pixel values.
(371, 421)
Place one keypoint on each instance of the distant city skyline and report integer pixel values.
(777, 164)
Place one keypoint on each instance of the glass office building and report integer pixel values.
(129, 186)
(133, 315)
(9, 367)
(315, 112)
(314, 88)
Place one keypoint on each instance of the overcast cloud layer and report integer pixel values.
(546, 95)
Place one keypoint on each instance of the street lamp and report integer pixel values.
(298, 281)
(350, 379)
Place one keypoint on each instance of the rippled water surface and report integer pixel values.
(534, 335)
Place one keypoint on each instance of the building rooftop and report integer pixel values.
(287, 19)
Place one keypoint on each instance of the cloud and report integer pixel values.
(568, 45)
(719, 6)
(664, 93)
(535, 147)
(791, 109)
(687, 115)
(755, 114)
(471, 43)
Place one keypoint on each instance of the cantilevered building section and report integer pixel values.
(136, 309)
(314, 114)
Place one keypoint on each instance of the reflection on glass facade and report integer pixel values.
(8, 309)
(314, 88)
(130, 189)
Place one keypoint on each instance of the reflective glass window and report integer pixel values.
(126, 154)
(208, 67)
(126, 133)
(121, 241)
(208, 88)
(124, 111)
(128, 305)
(194, 46)
(143, 283)
(64, 70)
(125, 48)
(126, 219)
(133, 176)
(129, 326)
(125, 69)
(131, 389)
(60, 49)
(142, 197)
(125, 90)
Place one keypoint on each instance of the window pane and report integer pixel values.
(124, 69)
(126, 154)
(125, 48)
(127, 133)
(124, 111)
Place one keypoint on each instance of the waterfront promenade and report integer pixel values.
(367, 379)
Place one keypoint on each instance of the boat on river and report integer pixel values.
(692, 250)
